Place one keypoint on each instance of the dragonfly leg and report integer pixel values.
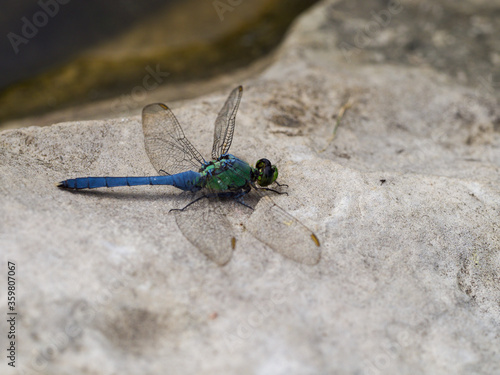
(189, 204)
(268, 189)
(238, 197)
(240, 201)
(274, 191)
(277, 183)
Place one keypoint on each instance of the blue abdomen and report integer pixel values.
(186, 181)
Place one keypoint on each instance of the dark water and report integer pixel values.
(46, 64)
(63, 30)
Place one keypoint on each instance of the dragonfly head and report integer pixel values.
(266, 173)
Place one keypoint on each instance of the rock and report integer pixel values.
(404, 199)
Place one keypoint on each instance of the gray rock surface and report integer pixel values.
(404, 199)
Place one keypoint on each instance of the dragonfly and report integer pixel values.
(181, 165)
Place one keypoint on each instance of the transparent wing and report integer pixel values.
(224, 124)
(283, 233)
(167, 147)
(206, 226)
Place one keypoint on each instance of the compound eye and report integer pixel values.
(262, 163)
(267, 173)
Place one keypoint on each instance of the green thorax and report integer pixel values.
(226, 173)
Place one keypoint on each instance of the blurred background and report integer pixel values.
(65, 60)
(61, 57)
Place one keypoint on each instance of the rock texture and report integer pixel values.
(404, 199)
